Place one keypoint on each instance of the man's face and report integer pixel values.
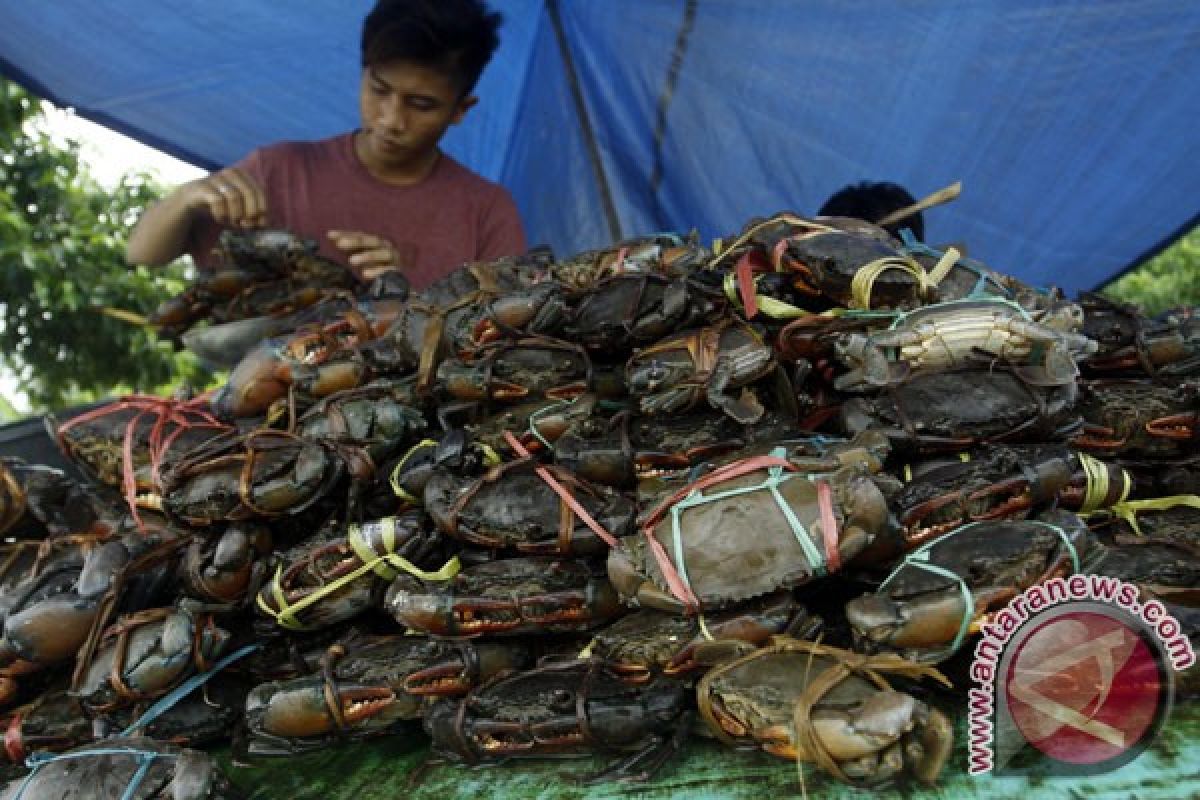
(406, 108)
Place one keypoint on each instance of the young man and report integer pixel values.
(379, 198)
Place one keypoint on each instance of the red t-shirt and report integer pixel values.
(451, 217)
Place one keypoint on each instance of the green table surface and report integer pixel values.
(397, 767)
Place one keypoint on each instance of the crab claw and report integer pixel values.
(1175, 426)
(455, 676)
(304, 712)
(52, 630)
(879, 621)
(888, 730)
(636, 590)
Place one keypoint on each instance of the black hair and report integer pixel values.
(455, 37)
(872, 202)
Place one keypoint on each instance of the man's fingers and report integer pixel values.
(248, 193)
(353, 241)
(375, 257)
(233, 198)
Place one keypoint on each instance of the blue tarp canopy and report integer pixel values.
(1069, 122)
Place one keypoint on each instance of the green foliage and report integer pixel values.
(1169, 280)
(62, 261)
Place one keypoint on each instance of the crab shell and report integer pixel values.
(182, 775)
(505, 598)
(650, 642)
(952, 410)
(742, 546)
(872, 735)
(921, 612)
(385, 681)
(513, 506)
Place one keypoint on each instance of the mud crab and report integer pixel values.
(946, 589)
(959, 333)
(124, 767)
(264, 473)
(634, 310)
(746, 529)
(146, 654)
(37, 500)
(384, 682)
(518, 371)
(566, 709)
(507, 597)
(337, 575)
(816, 703)
(650, 642)
(710, 363)
(518, 505)
(1139, 420)
(996, 483)
(662, 254)
(227, 568)
(955, 410)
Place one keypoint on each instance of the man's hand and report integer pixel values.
(231, 197)
(371, 255)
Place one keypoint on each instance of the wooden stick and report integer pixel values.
(936, 199)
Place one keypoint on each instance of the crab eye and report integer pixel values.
(562, 700)
(654, 375)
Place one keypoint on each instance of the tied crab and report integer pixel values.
(528, 507)
(633, 310)
(146, 654)
(127, 444)
(368, 688)
(333, 577)
(954, 410)
(947, 589)
(519, 371)
(662, 254)
(506, 598)
(747, 529)
(650, 642)
(992, 483)
(264, 473)
(679, 372)
(964, 332)
(1139, 420)
(312, 362)
(833, 261)
(120, 768)
(573, 708)
(37, 500)
(813, 703)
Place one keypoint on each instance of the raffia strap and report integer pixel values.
(1129, 509)
(871, 668)
(286, 614)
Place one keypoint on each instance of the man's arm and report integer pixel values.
(165, 230)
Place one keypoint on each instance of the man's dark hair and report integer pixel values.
(455, 37)
(872, 202)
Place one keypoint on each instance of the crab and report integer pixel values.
(574, 708)
(506, 598)
(814, 703)
(953, 334)
(677, 373)
(748, 528)
(947, 589)
(367, 688)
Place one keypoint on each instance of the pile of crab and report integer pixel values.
(766, 492)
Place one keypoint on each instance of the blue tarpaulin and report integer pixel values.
(1068, 122)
